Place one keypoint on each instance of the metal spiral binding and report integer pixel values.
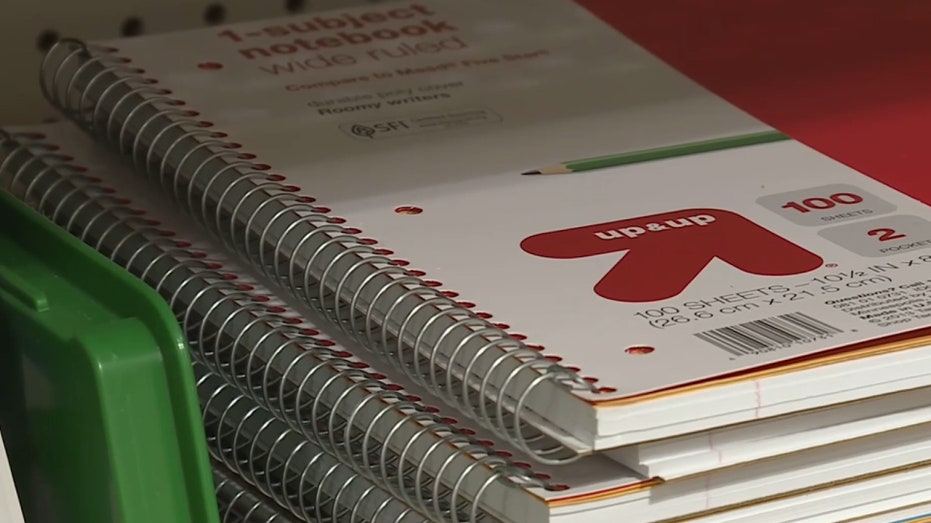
(238, 504)
(299, 477)
(319, 391)
(488, 374)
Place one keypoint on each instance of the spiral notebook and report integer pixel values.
(393, 195)
(280, 420)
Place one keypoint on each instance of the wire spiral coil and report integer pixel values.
(274, 359)
(277, 461)
(471, 363)
(237, 504)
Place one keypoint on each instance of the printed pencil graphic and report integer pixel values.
(601, 162)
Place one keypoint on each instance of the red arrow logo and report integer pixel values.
(665, 252)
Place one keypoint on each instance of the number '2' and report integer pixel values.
(886, 234)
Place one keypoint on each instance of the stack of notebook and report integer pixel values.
(491, 260)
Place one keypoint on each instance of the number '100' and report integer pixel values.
(820, 204)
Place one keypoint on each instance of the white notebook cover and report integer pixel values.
(716, 264)
(595, 488)
(10, 510)
(713, 449)
(900, 497)
(915, 514)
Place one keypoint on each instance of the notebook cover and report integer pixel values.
(747, 281)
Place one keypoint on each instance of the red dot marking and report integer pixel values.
(432, 283)
(399, 263)
(209, 66)
(450, 294)
(394, 387)
(519, 337)
(351, 230)
(554, 359)
(559, 487)
(326, 343)
(417, 273)
(383, 252)
(336, 220)
(261, 166)
(484, 315)
(408, 209)
(368, 241)
(466, 304)
(246, 156)
(228, 276)
(306, 199)
(607, 390)
(639, 349)
(275, 178)
(321, 210)
(261, 299)
(502, 326)
(314, 332)
(233, 145)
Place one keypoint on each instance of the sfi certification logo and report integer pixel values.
(664, 253)
(373, 130)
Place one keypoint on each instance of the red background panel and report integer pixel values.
(851, 78)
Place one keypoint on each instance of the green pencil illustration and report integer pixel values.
(601, 162)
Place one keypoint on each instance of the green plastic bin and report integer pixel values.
(98, 407)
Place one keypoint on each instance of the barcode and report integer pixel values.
(768, 334)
